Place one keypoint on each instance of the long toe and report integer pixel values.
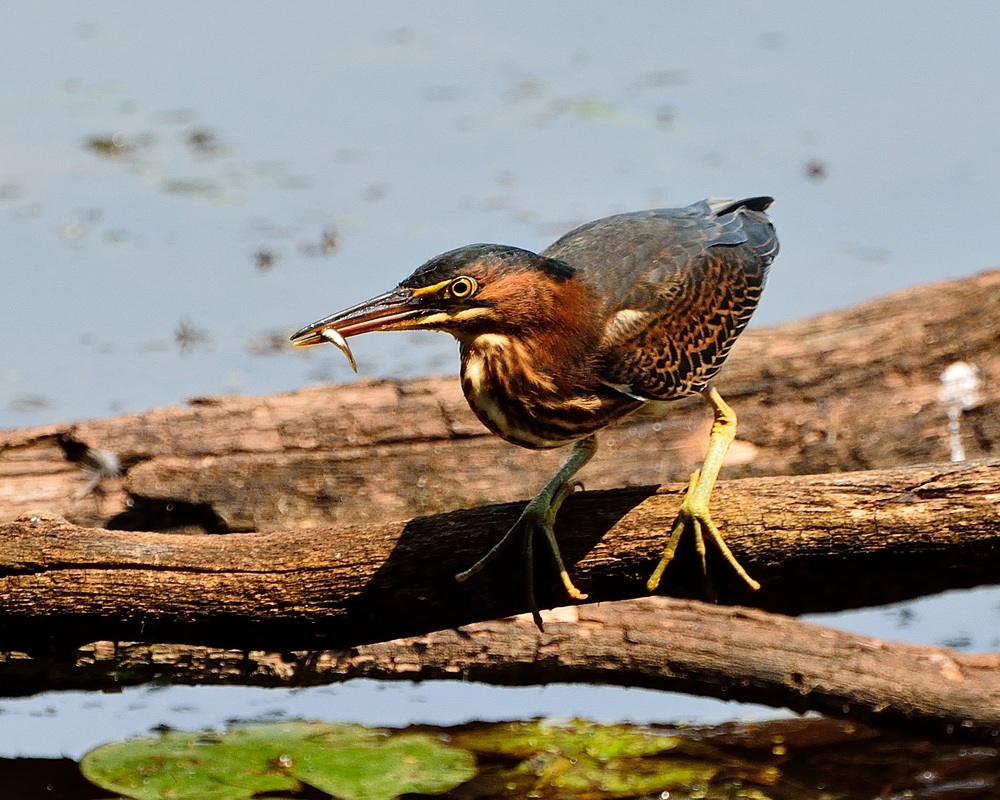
(695, 516)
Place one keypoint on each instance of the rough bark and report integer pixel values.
(658, 643)
(816, 543)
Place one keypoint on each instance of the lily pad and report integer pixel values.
(382, 769)
(349, 762)
(581, 759)
(633, 777)
(188, 765)
(570, 738)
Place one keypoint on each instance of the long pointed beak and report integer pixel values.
(395, 310)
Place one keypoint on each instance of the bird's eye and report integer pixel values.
(462, 287)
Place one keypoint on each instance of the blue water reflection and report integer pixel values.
(152, 152)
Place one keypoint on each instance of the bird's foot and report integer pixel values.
(694, 515)
(541, 518)
(538, 517)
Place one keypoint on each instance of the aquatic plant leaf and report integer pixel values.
(350, 762)
(181, 765)
(571, 738)
(586, 760)
(630, 777)
(402, 764)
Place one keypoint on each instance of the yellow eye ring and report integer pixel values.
(463, 287)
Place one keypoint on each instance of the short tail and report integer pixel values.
(722, 207)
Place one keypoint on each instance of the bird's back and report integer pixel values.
(677, 287)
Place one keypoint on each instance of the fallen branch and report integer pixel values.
(658, 643)
(816, 543)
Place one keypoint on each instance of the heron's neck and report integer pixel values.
(536, 392)
(532, 364)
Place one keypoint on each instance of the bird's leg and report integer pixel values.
(694, 511)
(539, 515)
(529, 553)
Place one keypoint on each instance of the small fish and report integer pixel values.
(340, 343)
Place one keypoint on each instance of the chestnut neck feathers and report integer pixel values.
(530, 363)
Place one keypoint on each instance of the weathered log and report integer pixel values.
(856, 389)
(657, 643)
(815, 542)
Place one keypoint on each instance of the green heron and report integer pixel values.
(624, 311)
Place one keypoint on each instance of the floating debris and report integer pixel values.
(265, 259)
(268, 344)
(114, 146)
(188, 337)
(191, 186)
(24, 403)
(328, 243)
(118, 144)
(203, 142)
(815, 170)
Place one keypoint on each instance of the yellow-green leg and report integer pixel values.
(540, 515)
(694, 513)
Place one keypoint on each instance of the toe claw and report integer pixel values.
(539, 516)
(694, 515)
